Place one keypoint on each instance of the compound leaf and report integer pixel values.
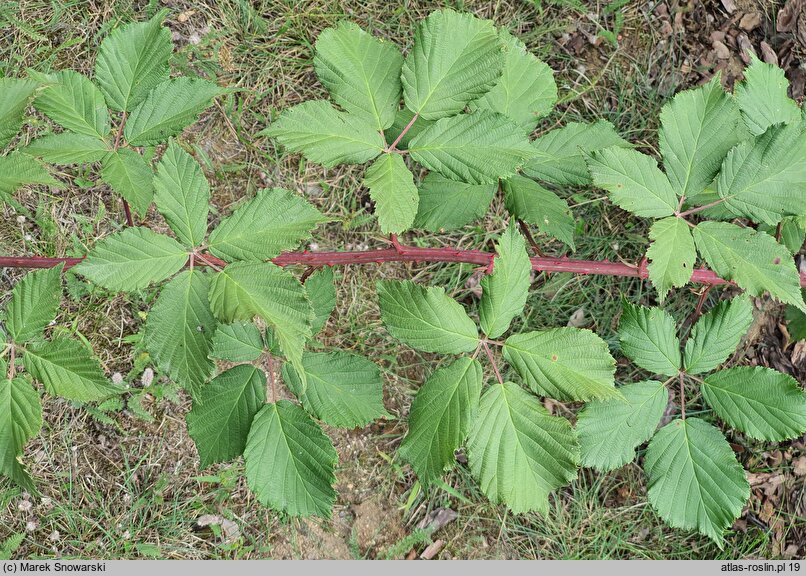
(237, 342)
(19, 169)
(168, 109)
(182, 195)
(325, 135)
(179, 330)
(391, 187)
(223, 412)
(68, 148)
(343, 390)
(290, 461)
(447, 204)
(529, 201)
(559, 156)
(426, 318)
(34, 304)
(763, 403)
(715, 336)
(671, 255)
(477, 148)
(361, 72)
(634, 181)
(694, 478)
(648, 336)
(71, 100)
(244, 290)
(762, 97)
(273, 221)
(129, 175)
(440, 418)
(564, 363)
(132, 259)
(765, 178)
(455, 59)
(132, 60)
(20, 420)
(526, 90)
(609, 431)
(754, 260)
(67, 369)
(15, 93)
(518, 452)
(504, 291)
(698, 127)
(322, 294)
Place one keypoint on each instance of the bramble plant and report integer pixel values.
(471, 97)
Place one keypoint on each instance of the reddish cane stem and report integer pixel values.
(492, 361)
(12, 368)
(411, 254)
(529, 238)
(392, 147)
(701, 208)
(682, 396)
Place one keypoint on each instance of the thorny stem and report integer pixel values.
(681, 378)
(392, 146)
(410, 254)
(700, 208)
(529, 238)
(492, 361)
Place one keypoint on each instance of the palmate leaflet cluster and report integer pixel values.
(471, 96)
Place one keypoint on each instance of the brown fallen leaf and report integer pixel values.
(229, 529)
(438, 518)
(750, 21)
(799, 466)
(729, 5)
(788, 15)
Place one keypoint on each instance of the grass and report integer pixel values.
(119, 486)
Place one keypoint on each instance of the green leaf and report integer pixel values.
(34, 304)
(391, 187)
(15, 93)
(403, 118)
(715, 336)
(71, 100)
(649, 337)
(504, 291)
(361, 72)
(763, 403)
(68, 148)
(426, 318)
(237, 342)
(182, 195)
(698, 127)
(273, 221)
(765, 179)
(518, 452)
(796, 322)
(529, 201)
(244, 290)
(792, 234)
(322, 294)
(476, 148)
(671, 255)
(223, 412)
(754, 260)
(455, 59)
(343, 390)
(440, 418)
(634, 181)
(694, 478)
(564, 363)
(325, 135)
(762, 97)
(17, 170)
(179, 330)
(168, 109)
(526, 90)
(20, 420)
(609, 431)
(290, 461)
(559, 156)
(68, 369)
(132, 259)
(132, 60)
(447, 204)
(129, 175)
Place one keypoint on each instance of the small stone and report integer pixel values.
(721, 50)
(750, 21)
